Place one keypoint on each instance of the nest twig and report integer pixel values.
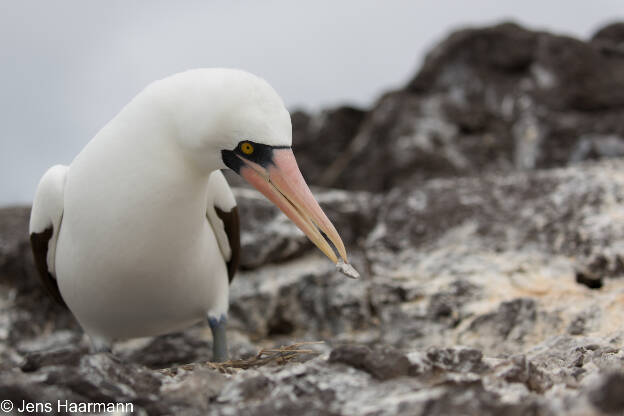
(265, 356)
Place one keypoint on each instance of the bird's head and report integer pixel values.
(259, 133)
(239, 118)
(273, 170)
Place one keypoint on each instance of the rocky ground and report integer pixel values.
(483, 205)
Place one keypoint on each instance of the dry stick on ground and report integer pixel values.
(266, 356)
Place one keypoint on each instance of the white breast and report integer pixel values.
(136, 255)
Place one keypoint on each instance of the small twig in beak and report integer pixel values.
(346, 269)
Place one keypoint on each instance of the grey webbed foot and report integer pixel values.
(219, 338)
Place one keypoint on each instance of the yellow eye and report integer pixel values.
(247, 148)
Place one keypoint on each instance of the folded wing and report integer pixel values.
(45, 224)
(222, 213)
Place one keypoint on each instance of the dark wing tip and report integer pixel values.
(231, 224)
(39, 243)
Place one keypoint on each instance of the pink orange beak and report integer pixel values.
(283, 184)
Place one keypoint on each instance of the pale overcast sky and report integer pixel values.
(67, 67)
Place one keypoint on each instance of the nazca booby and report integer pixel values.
(139, 235)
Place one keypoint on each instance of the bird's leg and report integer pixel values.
(99, 344)
(219, 338)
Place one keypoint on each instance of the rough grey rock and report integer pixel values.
(497, 292)
(607, 394)
(469, 301)
(494, 99)
(382, 363)
(332, 129)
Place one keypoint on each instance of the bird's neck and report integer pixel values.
(181, 112)
(163, 134)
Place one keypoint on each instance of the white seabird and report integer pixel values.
(138, 236)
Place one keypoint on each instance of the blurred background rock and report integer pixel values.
(483, 204)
